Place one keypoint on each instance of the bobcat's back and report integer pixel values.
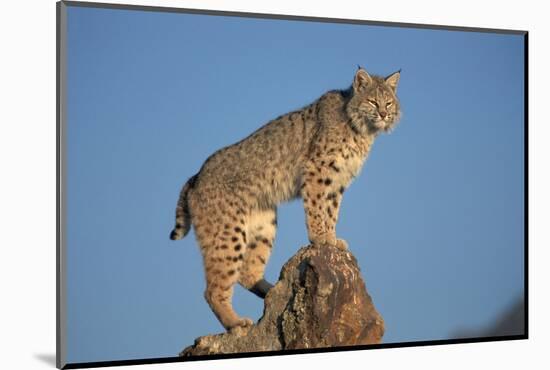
(265, 166)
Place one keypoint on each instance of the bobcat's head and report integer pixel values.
(374, 106)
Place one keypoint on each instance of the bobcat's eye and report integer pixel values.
(389, 104)
(373, 103)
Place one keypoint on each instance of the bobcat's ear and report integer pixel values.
(362, 79)
(393, 79)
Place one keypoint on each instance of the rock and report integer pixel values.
(319, 301)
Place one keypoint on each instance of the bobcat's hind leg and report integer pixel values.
(261, 229)
(220, 232)
(218, 294)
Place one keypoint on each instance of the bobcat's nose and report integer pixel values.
(383, 114)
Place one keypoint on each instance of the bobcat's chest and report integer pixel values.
(351, 161)
(350, 167)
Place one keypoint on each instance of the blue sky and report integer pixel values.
(435, 219)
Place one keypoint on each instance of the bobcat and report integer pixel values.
(312, 153)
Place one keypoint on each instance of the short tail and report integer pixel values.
(183, 217)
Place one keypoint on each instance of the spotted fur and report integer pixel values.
(312, 153)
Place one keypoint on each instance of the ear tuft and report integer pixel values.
(393, 79)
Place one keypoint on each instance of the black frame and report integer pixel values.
(60, 204)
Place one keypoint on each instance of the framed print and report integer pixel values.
(237, 184)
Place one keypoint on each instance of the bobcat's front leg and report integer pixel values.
(322, 194)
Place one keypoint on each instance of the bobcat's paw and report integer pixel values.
(324, 240)
(330, 241)
(242, 326)
(342, 244)
(318, 242)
